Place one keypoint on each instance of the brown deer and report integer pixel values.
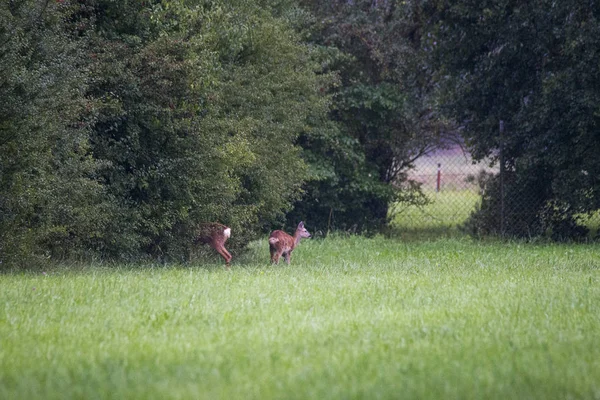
(215, 235)
(280, 243)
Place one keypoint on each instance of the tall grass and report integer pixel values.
(350, 318)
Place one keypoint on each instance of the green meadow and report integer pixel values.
(445, 211)
(350, 318)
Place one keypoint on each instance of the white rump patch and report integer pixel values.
(227, 232)
(273, 240)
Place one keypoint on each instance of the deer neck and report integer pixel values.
(296, 238)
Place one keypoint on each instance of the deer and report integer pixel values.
(215, 235)
(281, 243)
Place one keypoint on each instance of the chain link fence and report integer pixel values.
(453, 184)
(449, 180)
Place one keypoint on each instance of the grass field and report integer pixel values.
(350, 318)
(446, 209)
(446, 212)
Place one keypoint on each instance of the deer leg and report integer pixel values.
(224, 253)
(229, 256)
(286, 257)
(275, 255)
(273, 252)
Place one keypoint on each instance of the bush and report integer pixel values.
(529, 210)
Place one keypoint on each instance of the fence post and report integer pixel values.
(501, 129)
(439, 177)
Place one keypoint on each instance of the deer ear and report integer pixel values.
(301, 224)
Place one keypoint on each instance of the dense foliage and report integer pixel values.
(49, 199)
(382, 119)
(125, 124)
(200, 104)
(533, 66)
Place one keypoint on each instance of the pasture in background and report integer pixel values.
(350, 318)
(448, 179)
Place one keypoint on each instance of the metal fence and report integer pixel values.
(451, 181)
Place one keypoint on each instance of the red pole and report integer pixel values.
(439, 178)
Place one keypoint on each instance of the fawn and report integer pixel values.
(215, 235)
(280, 243)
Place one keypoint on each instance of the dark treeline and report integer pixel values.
(124, 124)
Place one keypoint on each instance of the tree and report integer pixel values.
(534, 67)
(201, 102)
(126, 124)
(383, 113)
(50, 204)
